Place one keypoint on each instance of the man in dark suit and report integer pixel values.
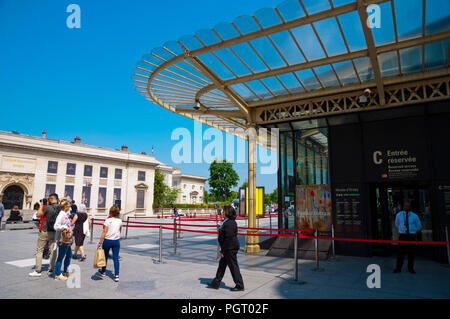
(229, 247)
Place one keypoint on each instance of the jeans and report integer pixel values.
(64, 252)
(115, 246)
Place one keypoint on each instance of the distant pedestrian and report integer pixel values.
(408, 225)
(73, 209)
(2, 212)
(110, 239)
(15, 215)
(46, 235)
(36, 220)
(63, 235)
(229, 247)
(79, 230)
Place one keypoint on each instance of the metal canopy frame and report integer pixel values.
(277, 66)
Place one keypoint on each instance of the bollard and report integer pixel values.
(316, 242)
(448, 246)
(175, 236)
(333, 253)
(179, 227)
(92, 230)
(126, 232)
(218, 245)
(296, 256)
(160, 244)
(270, 219)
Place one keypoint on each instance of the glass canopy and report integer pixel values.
(301, 48)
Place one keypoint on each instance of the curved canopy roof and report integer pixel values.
(301, 49)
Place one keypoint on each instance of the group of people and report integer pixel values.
(61, 222)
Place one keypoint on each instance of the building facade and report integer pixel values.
(32, 168)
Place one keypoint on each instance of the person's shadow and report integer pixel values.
(205, 281)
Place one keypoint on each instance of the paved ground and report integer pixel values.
(185, 275)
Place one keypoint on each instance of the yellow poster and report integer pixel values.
(314, 207)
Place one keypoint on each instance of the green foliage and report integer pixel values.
(170, 195)
(274, 196)
(222, 177)
(158, 188)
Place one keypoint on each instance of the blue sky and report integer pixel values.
(76, 82)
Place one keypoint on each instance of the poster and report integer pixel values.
(86, 196)
(314, 207)
(348, 212)
(49, 189)
(101, 197)
(68, 193)
(117, 192)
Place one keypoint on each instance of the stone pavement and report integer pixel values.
(185, 275)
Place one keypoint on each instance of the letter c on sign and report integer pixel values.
(376, 157)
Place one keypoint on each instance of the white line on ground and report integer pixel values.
(26, 262)
(143, 246)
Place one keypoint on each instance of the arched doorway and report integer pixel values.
(13, 195)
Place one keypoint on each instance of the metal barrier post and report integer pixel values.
(160, 246)
(316, 243)
(270, 219)
(126, 232)
(92, 230)
(296, 256)
(179, 227)
(448, 246)
(175, 236)
(218, 246)
(333, 253)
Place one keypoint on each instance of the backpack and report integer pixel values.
(52, 220)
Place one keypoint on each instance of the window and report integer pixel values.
(140, 198)
(118, 173)
(141, 176)
(52, 167)
(87, 170)
(117, 193)
(101, 202)
(174, 183)
(103, 172)
(71, 168)
(49, 189)
(86, 196)
(68, 192)
(184, 198)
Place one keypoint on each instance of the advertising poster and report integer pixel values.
(101, 197)
(68, 193)
(49, 189)
(117, 192)
(314, 207)
(86, 196)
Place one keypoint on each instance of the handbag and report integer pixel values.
(65, 238)
(99, 258)
(86, 230)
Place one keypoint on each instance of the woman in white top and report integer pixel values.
(63, 223)
(110, 239)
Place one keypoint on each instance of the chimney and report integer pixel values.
(77, 140)
(44, 135)
(124, 148)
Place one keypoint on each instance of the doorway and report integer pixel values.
(13, 195)
(386, 201)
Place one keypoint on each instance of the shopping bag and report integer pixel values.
(86, 230)
(99, 258)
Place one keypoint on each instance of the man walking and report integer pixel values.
(46, 236)
(2, 212)
(408, 225)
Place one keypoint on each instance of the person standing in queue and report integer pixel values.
(229, 247)
(408, 225)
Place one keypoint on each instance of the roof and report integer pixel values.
(232, 75)
(190, 176)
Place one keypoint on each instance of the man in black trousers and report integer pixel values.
(229, 247)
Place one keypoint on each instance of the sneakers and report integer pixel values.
(116, 278)
(61, 277)
(34, 274)
(102, 274)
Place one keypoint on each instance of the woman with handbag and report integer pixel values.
(64, 237)
(81, 230)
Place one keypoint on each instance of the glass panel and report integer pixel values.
(437, 16)
(118, 173)
(308, 79)
(259, 89)
(287, 47)
(87, 170)
(408, 17)
(389, 64)
(244, 92)
(346, 72)
(150, 58)
(411, 60)
(291, 83)
(314, 6)
(141, 176)
(274, 85)
(52, 167)
(330, 36)
(436, 54)
(249, 57)
(216, 66)
(188, 68)
(268, 53)
(174, 47)
(246, 24)
(326, 76)
(308, 42)
(207, 36)
(103, 172)
(309, 124)
(353, 32)
(160, 52)
(71, 169)
(384, 34)
(338, 3)
(226, 30)
(364, 69)
(290, 10)
(190, 42)
(232, 62)
(290, 189)
(267, 17)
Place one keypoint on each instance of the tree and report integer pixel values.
(206, 197)
(158, 189)
(222, 177)
(274, 196)
(170, 195)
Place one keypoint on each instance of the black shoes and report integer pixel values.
(396, 271)
(237, 289)
(213, 285)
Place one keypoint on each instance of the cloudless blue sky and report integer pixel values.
(76, 82)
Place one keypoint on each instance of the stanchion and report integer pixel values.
(179, 227)
(92, 230)
(333, 253)
(175, 236)
(270, 220)
(160, 261)
(448, 246)
(126, 232)
(296, 256)
(316, 244)
(218, 245)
